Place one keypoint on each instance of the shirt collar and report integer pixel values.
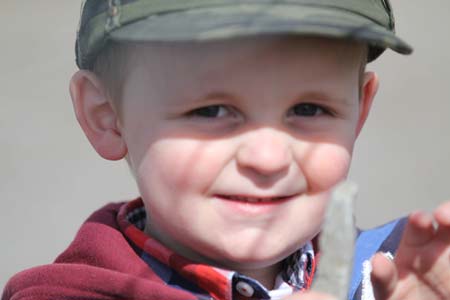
(297, 272)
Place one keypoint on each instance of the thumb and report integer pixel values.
(310, 295)
(384, 276)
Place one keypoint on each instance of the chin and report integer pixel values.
(253, 257)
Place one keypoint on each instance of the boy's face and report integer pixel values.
(236, 144)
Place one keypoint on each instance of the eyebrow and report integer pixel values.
(302, 97)
(187, 102)
(210, 97)
(323, 96)
(317, 95)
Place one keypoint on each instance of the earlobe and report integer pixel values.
(368, 92)
(96, 115)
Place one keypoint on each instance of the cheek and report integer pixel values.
(326, 166)
(180, 165)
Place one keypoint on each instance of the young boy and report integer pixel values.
(237, 118)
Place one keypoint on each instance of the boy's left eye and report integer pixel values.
(307, 110)
(211, 111)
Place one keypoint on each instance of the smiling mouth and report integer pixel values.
(250, 199)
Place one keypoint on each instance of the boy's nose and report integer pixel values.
(265, 151)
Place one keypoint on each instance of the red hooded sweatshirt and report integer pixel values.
(105, 261)
(99, 264)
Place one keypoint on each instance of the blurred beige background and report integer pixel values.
(51, 180)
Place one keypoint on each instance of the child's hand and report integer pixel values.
(421, 268)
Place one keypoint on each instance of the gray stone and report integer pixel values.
(337, 243)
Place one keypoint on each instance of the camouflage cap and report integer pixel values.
(369, 21)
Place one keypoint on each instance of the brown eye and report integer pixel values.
(307, 110)
(212, 111)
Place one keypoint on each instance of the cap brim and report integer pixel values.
(248, 20)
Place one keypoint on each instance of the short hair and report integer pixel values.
(362, 70)
(111, 67)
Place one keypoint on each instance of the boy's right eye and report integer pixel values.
(211, 111)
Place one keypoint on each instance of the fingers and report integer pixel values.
(422, 260)
(422, 227)
(418, 238)
(384, 276)
(442, 217)
(419, 230)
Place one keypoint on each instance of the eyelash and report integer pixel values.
(210, 112)
(317, 108)
(214, 111)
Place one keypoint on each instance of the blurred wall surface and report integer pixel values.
(51, 179)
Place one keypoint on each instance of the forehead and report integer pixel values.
(243, 65)
(210, 54)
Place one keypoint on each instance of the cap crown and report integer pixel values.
(102, 20)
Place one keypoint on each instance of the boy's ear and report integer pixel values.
(96, 115)
(368, 91)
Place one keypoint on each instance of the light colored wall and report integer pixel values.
(51, 180)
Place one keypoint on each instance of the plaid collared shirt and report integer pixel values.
(207, 282)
